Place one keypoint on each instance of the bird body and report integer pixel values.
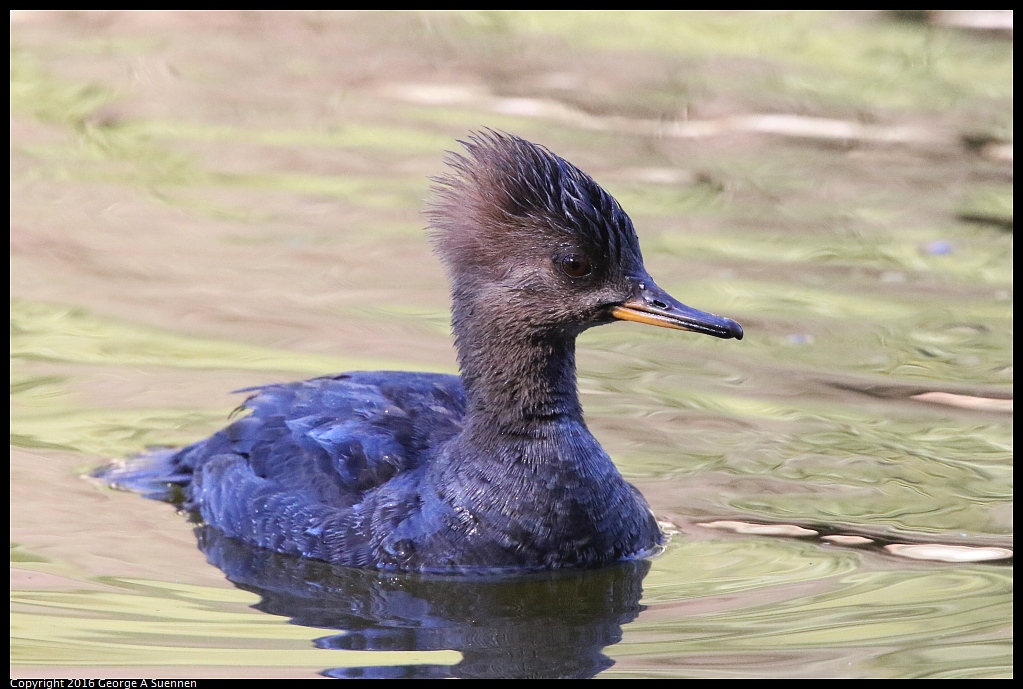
(494, 469)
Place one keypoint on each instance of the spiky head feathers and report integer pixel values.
(507, 197)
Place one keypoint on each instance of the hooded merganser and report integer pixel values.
(492, 470)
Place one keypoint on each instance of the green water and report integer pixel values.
(202, 203)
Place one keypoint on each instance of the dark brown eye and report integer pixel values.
(575, 266)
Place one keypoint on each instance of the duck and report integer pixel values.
(492, 470)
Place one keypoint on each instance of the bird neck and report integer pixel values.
(519, 380)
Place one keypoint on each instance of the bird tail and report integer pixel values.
(157, 473)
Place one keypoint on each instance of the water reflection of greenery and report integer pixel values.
(821, 253)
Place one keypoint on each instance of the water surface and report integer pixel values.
(202, 203)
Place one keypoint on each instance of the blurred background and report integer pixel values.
(202, 202)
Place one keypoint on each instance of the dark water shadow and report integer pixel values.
(544, 624)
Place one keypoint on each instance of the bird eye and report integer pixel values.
(575, 266)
